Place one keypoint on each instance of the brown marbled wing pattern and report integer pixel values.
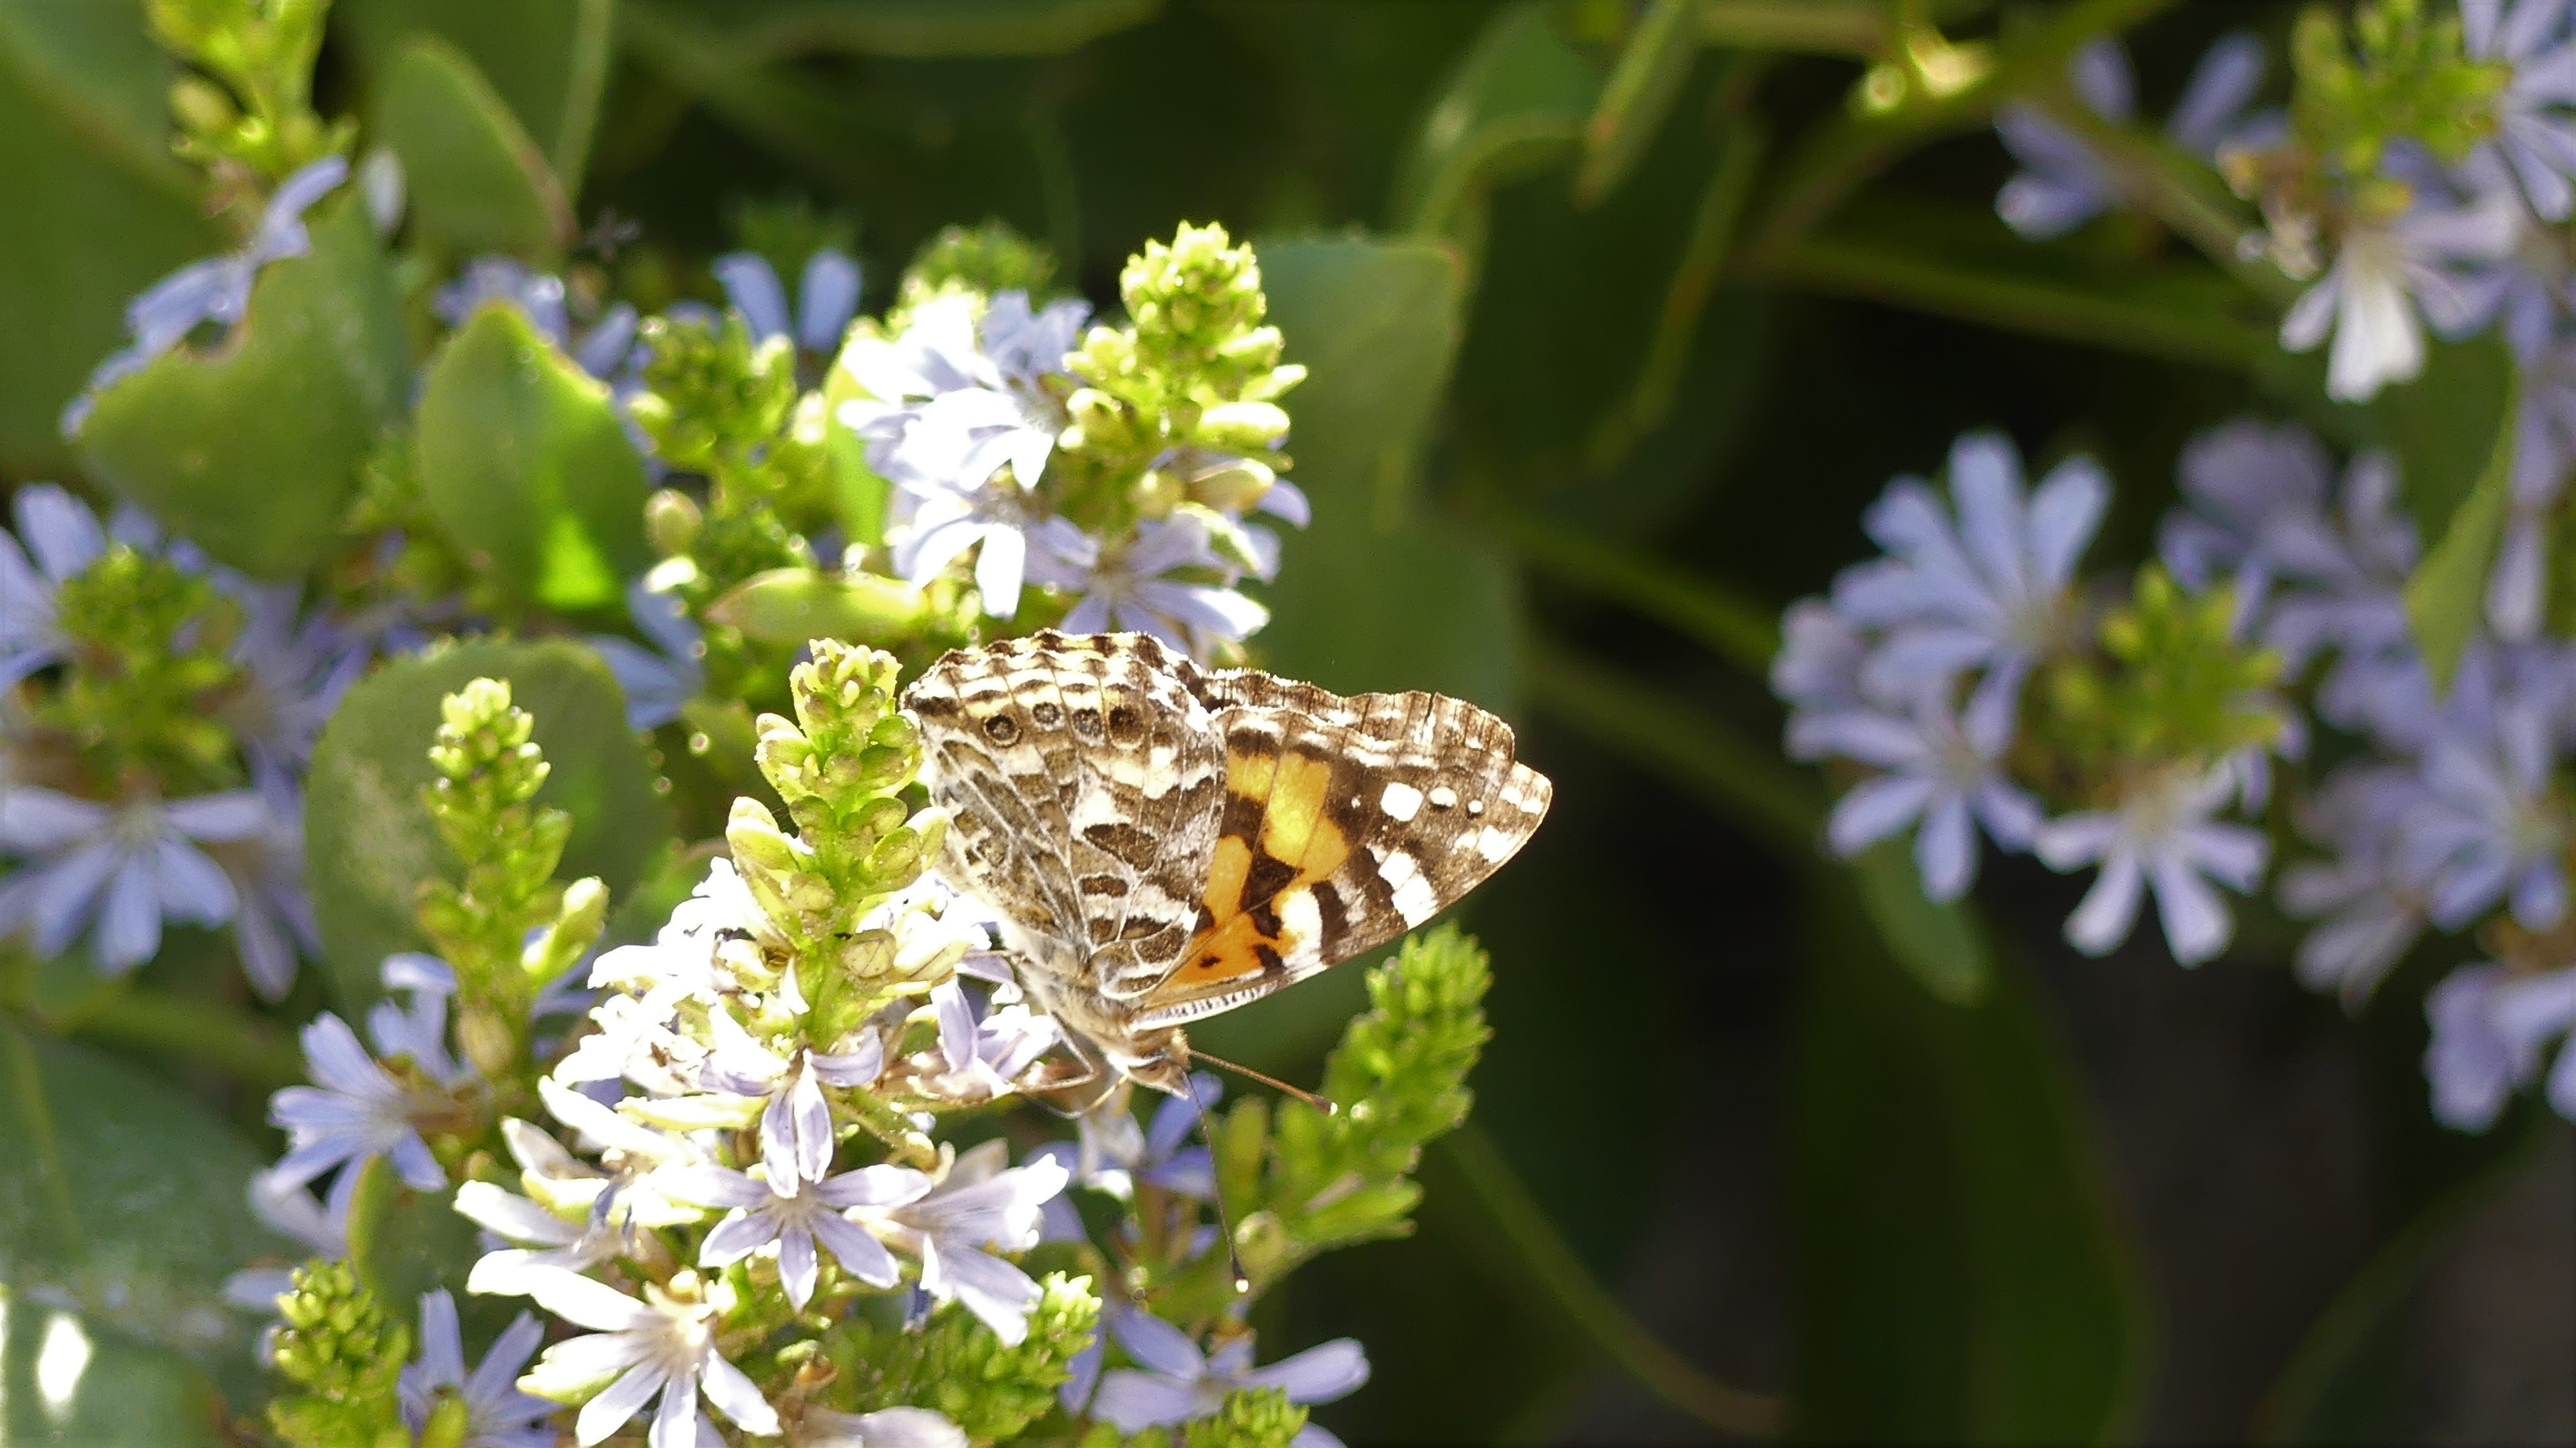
(1167, 843)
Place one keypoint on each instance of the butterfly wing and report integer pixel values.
(1085, 786)
(1345, 823)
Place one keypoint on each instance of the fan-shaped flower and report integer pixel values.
(117, 870)
(2491, 1034)
(1943, 772)
(1175, 1382)
(947, 1221)
(2388, 279)
(497, 1414)
(2534, 130)
(827, 297)
(2062, 183)
(662, 1346)
(2163, 836)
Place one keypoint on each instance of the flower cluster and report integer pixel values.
(162, 712)
(1114, 470)
(2450, 813)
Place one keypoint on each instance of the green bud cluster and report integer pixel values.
(713, 396)
(1249, 1418)
(2178, 686)
(840, 765)
(955, 1364)
(2397, 74)
(344, 1356)
(245, 110)
(143, 701)
(484, 806)
(976, 261)
(1315, 1181)
(1180, 406)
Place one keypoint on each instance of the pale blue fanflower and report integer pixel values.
(2492, 1031)
(578, 1215)
(1126, 585)
(948, 1221)
(2544, 452)
(955, 397)
(796, 1137)
(660, 679)
(2391, 278)
(797, 1221)
(2534, 130)
(2163, 836)
(2062, 183)
(606, 349)
(1989, 586)
(358, 1110)
(63, 538)
(294, 666)
(1174, 1382)
(2491, 827)
(497, 1414)
(2368, 912)
(215, 291)
(827, 297)
(272, 912)
(1817, 671)
(1943, 775)
(117, 870)
(664, 1346)
(884, 1428)
(292, 1212)
(1111, 1153)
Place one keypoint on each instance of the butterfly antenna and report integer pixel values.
(1216, 1193)
(1319, 1102)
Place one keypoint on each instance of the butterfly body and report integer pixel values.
(1163, 842)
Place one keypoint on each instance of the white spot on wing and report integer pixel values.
(1443, 797)
(1496, 844)
(1301, 927)
(1401, 801)
(1413, 898)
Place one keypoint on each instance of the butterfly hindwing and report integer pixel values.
(1346, 823)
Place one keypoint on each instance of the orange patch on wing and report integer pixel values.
(1228, 868)
(1231, 951)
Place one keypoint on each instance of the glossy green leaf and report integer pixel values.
(548, 60)
(474, 179)
(64, 286)
(1941, 943)
(791, 605)
(93, 65)
(369, 842)
(252, 447)
(2446, 597)
(1375, 322)
(525, 464)
(125, 1197)
(2446, 427)
(1958, 1274)
(1640, 92)
(920, 29)
(67, 1378)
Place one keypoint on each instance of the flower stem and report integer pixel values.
(1741, 779)
(1820, 27)
(1548, 1267)
(1846, 153)
(1741, 632)
(249, 1048)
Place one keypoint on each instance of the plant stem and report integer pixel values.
(1740, 632)
(1739, 778)
(2177, 190)
(1884, 273)
(1820, 27)
(250, 1048)
(1548, 1269)
(1848, 152)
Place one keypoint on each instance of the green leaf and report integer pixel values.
(404, 1242)
(1941, 943)
(548, 60)
(95, 68)
(1640, 93)
(252, 448)
(1993, 1298)
(2447, 427)
(525, 464)
(1516, 105)
(370, 844)
(63, 287)
(919, 29)
(791, 605)
(1375, 322)
(67, 1378)
(126, 1198)
(2446, 597)
(474, 179)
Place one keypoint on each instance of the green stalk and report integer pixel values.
(1546, 1269)
(1740, 778)
(251, 1049)
(1741, 632)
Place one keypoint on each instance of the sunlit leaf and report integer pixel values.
(252, 448)
(68, 1378)
(549, 60)
(1516, 104)
(526, 464)
(475, 180)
